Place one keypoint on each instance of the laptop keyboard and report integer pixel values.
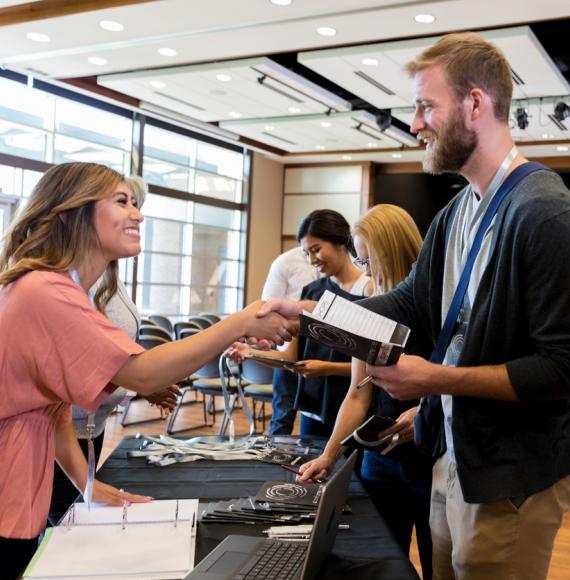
(275, 561)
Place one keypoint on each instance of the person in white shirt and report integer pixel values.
(288, 274)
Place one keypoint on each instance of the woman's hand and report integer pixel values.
(166, 399)
(237, 351)
(404, 427)
(318, 468)
(109, 495)
(311, 368)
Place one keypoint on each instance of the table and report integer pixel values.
(366, 551)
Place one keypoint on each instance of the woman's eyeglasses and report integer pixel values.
(361, 263)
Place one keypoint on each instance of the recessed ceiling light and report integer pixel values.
(269, 128)
(98, 60)
(547, 136)
(397, 155)
(234, 114)
(424, 18)
(326, 31)
(111, 25)
(294, 110)
(157, 84)
(38, 37)
(369, 61)
(281, 2)
(372, 144)
(562, 148)
(326, 124)
(320, 147)
(224, 78)
(347, 157)
(165, 51)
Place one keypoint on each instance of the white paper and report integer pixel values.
(154, 511)
(153, 550)
(353, 318)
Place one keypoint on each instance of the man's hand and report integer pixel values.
(414, 377)
(287, 308)
(271, 326)
(318, 468)
(404, 427)
(166, 398)
(410, 378)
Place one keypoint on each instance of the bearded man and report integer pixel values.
(501, 481)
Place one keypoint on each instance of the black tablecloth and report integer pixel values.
(366, 549)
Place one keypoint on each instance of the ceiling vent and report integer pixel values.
(374, 82)
(517, 79)
(282, 139)
(558, 123)
(177, 100)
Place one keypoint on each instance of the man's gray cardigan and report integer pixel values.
(521, 317)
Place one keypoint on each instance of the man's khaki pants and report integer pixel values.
(508, 539)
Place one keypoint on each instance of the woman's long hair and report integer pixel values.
(55, 230)
(393, 242)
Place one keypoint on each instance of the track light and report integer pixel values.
(384, 122)
(561, 111)
(521, 117)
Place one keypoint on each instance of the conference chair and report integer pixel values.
(186, 387)
(258, 380)
(162, 321)
(186, 332)
(154, 330)
(207, 381)
(184, 325)
(201, 321)
(213, 318)
(147, 342)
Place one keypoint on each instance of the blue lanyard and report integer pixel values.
(446, 333)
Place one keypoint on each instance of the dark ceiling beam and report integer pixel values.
(90, 84)
(53, 8)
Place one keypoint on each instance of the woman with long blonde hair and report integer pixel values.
(390, 238)
(58, 349)
(387, 242)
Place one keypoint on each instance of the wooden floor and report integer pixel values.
(192, 415)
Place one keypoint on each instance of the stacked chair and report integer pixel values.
(150, 336)
(257, 380)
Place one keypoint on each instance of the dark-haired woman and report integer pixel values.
(324, 374)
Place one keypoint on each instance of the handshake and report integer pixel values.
(273, 322)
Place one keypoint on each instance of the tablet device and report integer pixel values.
(271, 361)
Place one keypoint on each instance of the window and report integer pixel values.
(193, 250)
(37, 125)
(193, 262)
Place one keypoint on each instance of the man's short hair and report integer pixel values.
(469, 62)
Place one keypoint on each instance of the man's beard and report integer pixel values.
(452, 147)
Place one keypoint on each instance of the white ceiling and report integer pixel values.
(209, 34)
(336, 132)
(345, 67)
(246, 88)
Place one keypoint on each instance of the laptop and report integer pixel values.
(249, 557)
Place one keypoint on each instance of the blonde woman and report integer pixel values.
(58, 349)
(387, 243)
